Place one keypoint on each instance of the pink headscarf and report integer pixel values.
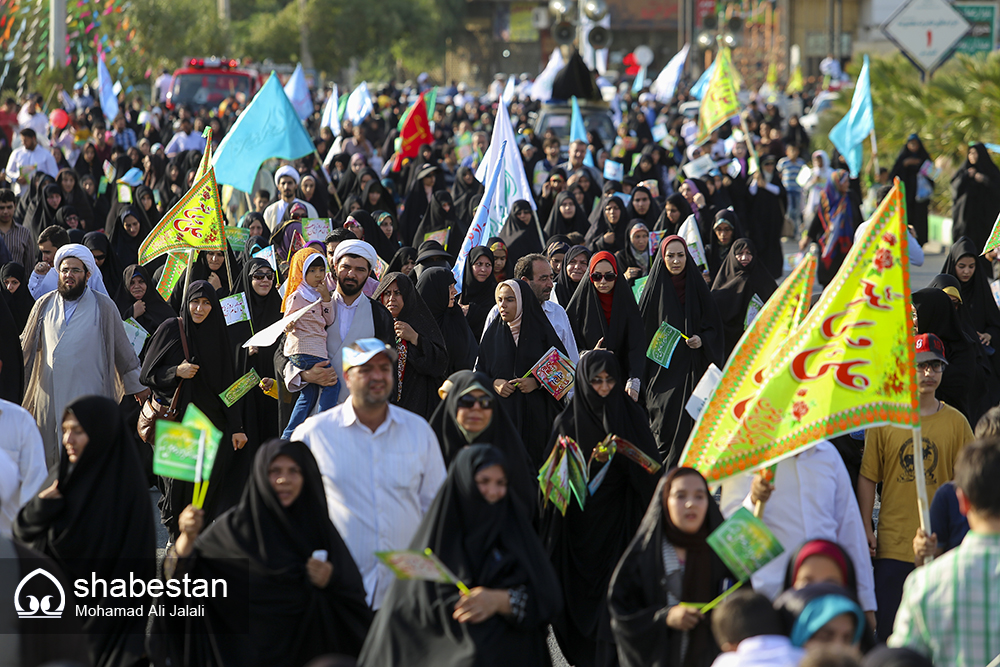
(515, 325)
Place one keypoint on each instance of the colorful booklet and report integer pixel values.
(555, 372)
(564, 474)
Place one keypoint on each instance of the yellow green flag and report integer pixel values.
(795, 81)
(195, 222)
(206, 158)
(994, 240)
(848, 366)
(742, 376)
(720, 102)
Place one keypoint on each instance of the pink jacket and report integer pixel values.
(308, 335)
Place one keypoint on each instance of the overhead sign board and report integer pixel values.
(983, 18)
(926, 31)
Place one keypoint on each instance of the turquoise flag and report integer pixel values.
(849, 134)
(698, 89)
(578, 131)
(640, 81)
(269, 127)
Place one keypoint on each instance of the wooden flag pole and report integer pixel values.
(187, 271)
(874, 156)
(923, 506)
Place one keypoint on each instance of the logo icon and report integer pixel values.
(39, 608)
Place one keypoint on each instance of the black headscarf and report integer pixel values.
(977, 297)
(584, 545)
(461, 344)
(936, 315)
(291, 620)
(520, 239)
(565, 287)
(385, 248)
(127, 247)
(557, 224)
(652, 213)
(463, 195)
(664, 224)
(638, 588)
(62, 216)
(493, 546)
(623, 335)
(20, 302)
(111, 270)
(12, 374)
(500, 357)
(735, 286)
(437, 219)
(320, 198)
(686, 303)
(157, 310)
(401, 257)
(153, 213)
(96, 527)
(424, 368)
(41, 215)
(480, 297)
(599, 225)
(384, 201)
(717, 252)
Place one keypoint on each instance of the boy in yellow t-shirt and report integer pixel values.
(888, 458)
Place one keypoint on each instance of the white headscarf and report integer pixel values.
(82, 252)
(286, 171)
(356, 247)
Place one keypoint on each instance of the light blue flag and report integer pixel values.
(640, 80)
(105, 90)
(331, 115)
(267, 128)
(359, 104)
(698, 89)
(665, 85)
(849, 134)
(298, 93)
(578, 131)
(481, 228)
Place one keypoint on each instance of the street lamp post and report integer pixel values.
(57, 33)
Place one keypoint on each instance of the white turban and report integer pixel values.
(356, 247)
(82, 253)
(286, 171)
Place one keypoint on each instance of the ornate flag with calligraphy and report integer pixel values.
(742, 375)
(994, 240)
(195, 222)
(848, 366)
(720, 102)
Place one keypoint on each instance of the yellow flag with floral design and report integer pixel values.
(194, 223)
(744, 372)
(848, 366)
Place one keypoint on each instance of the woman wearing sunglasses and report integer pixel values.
(472, 414)
(605, 316)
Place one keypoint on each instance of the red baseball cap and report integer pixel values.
(929, 348)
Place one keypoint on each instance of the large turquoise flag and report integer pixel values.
(267, 128)
(578, 131)
(849, 134)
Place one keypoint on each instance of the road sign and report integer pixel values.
(926, 31)
(982, 36)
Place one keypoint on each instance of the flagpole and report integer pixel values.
(875, 154)
(923, 505)
(187, 271)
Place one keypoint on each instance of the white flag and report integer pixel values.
(298, 93)
(541, 89)
(514, 184)
(689, 232)
(330, 118)
(666, 83)
(359, 104)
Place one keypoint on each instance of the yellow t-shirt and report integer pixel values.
(888, 458)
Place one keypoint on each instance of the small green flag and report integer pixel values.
(744, 543)
(239, 389)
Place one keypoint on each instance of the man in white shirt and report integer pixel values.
(577, 153)
(22, 461)
(162, 86)
(28, 158)
(286, 179)
(811, 498)
(381, 465)
(535, 270)
(185, 140)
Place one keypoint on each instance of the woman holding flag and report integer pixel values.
(837, 216)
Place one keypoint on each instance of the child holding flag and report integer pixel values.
(305, 338)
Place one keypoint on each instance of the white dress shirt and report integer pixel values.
(762, 651)
(378, 485)
(812, 499)
(181, 142)
(913, 246)
(22, 462)
(275, 213)
(558, 319)
(40, 158)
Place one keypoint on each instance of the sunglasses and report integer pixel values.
(263, 275)
(610, 277)
(468, 401)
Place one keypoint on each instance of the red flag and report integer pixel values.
(415, 133)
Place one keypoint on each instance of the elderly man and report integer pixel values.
(381, 464)
(357, 315)
(77, 333)
(577, 153)
(286, 179)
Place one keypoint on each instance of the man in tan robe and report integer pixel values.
(74, 345)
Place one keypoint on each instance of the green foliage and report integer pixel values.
(961, 103)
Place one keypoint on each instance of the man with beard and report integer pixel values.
(78, 331)
(357, 316)
(381, 464)
(286, 179)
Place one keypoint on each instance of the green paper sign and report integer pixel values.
(172, 272)
(240, 388)
(638, 287)
(237, 237)
(755, 306)
(175, 453)
(744, 543)
(664, 342)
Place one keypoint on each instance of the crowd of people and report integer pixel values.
(399, 410)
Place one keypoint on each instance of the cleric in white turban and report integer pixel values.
(286, 179)
(74, 344)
